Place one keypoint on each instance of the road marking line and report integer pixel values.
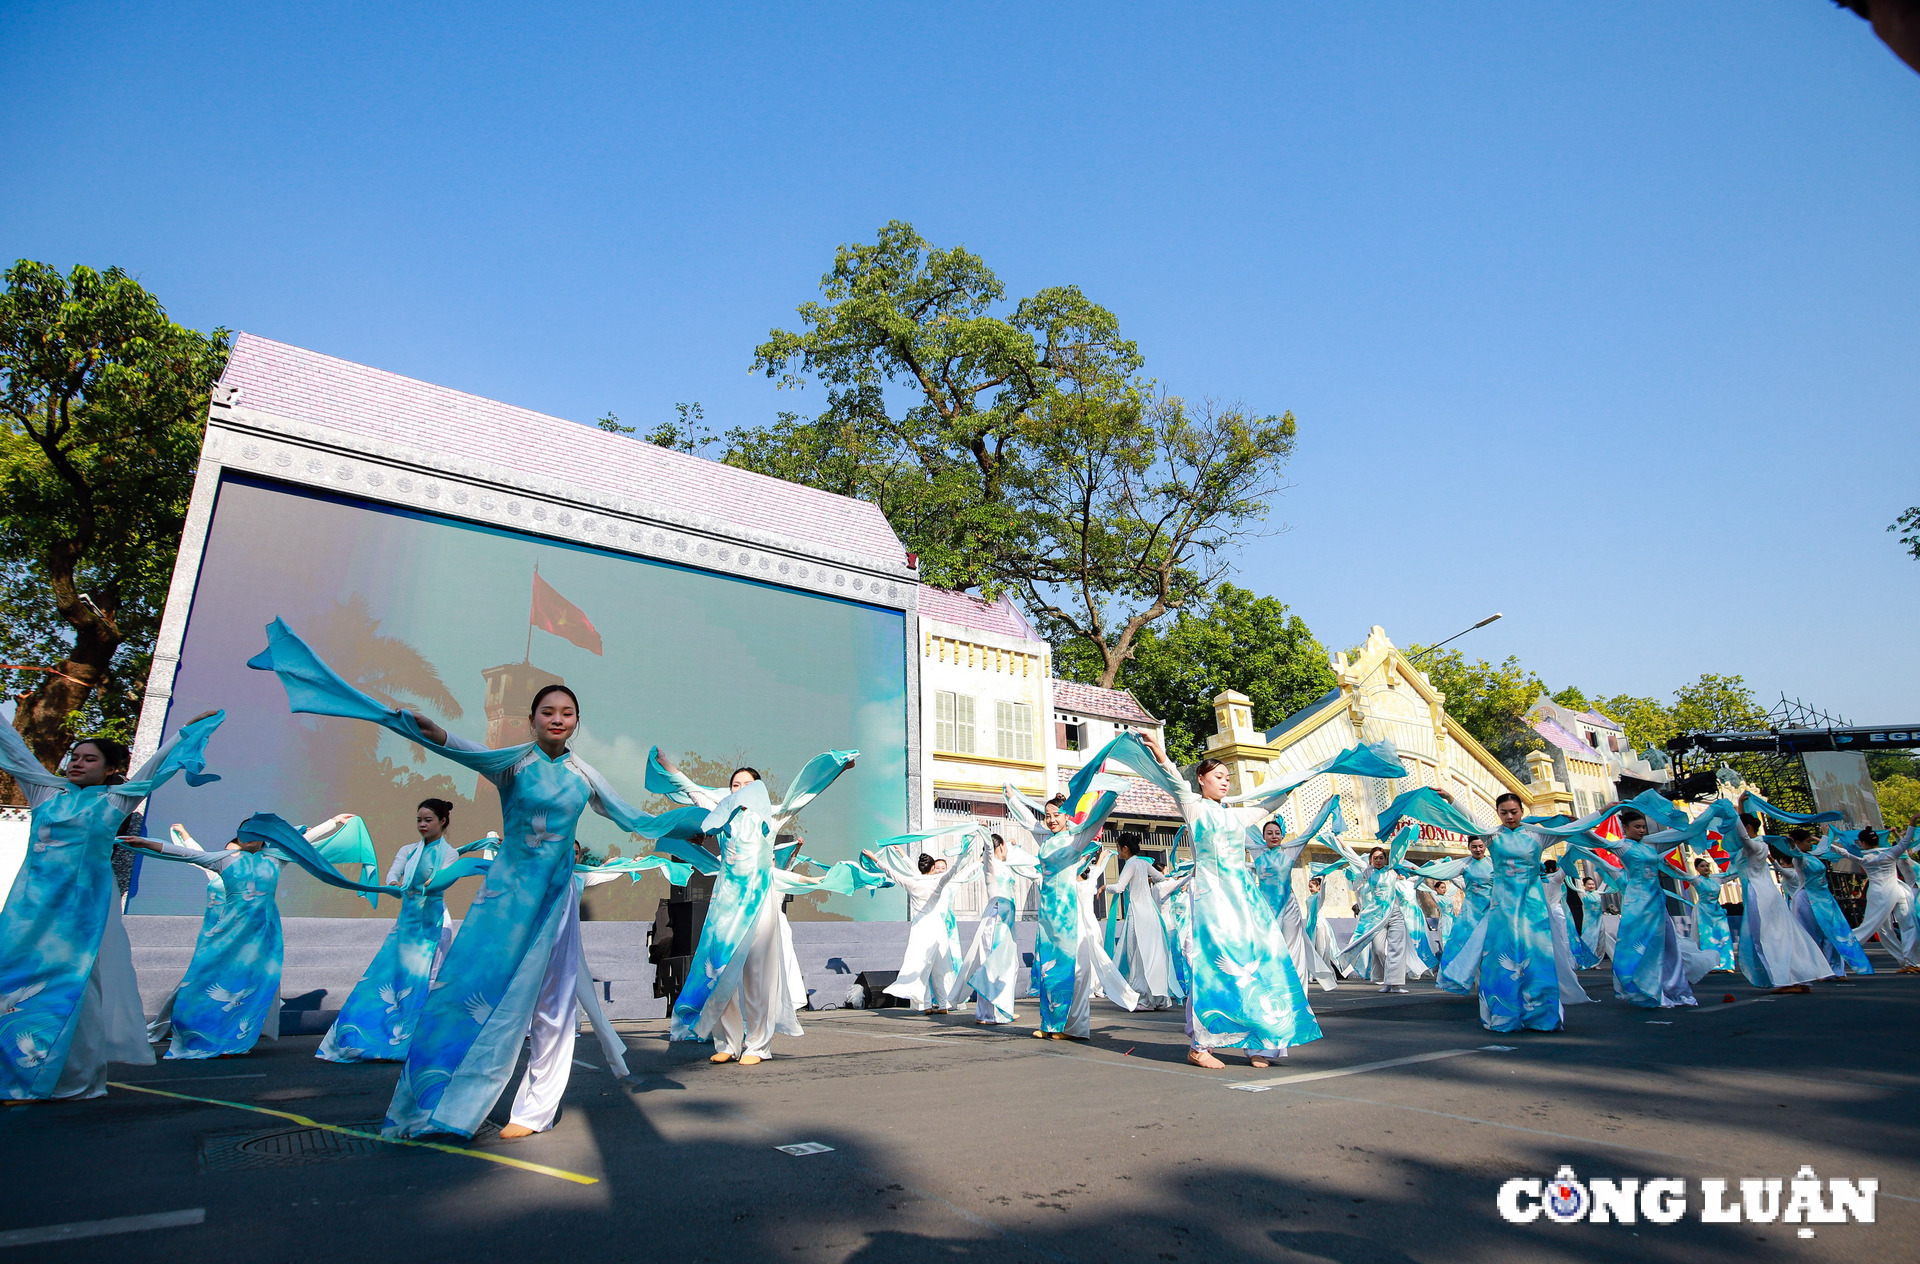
(100, 1228)
(303, 1121)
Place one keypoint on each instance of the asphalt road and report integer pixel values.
(1387, 1140)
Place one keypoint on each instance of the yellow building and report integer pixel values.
(1380, 697)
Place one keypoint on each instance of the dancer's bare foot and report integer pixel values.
(933, 1011)
(1258, 1062)
(721, 1057)
(1060, 1035)
(1797, 987)
(1040, 1035)
(1202, 1058)
(984, 1022)
(750, 1059)
(513, 1132)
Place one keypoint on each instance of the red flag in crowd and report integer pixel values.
(554, 613)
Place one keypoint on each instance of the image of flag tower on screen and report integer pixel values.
(511, 686)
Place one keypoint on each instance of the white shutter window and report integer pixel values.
(1013, 722)
(942, 720)
(963, 723)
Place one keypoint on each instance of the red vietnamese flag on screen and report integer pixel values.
(554, 613)
(1677, 860)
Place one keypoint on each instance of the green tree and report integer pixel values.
(1013, 449)
(1647, 721)
(906, 322)
(1717, 702)
(1129, 514)
(1488, 700)
(1908, 525)
(1573, 699)
(1899, 800)
(103, 401)
(1236, 641)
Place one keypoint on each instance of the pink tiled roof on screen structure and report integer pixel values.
(321, 390)
(1140, 797)
(968, 611)
(1108, 704)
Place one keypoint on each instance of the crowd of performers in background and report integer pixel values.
(1225, 936)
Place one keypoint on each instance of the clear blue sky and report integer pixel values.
(1605, 315)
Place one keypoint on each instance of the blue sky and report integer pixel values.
(1603, 316)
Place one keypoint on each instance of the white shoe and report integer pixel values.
(1385, 988)
(1398, 989)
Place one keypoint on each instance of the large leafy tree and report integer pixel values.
(103, 401)
(1237, 640)
(1013, 446)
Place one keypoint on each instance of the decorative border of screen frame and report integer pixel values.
(265, 445)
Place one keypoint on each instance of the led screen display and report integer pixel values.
(440, 615)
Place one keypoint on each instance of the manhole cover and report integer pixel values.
(286, 1147)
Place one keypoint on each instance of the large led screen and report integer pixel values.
(438, 614)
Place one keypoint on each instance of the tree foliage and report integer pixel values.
(103, 402)
(1488, 700)
(1238, 640)
(1908, 525)
(1013, 448)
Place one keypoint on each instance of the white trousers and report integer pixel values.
(550, 1058)
(746, 1023)
(1390, 949)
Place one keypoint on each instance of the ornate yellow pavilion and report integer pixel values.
(1380, 696)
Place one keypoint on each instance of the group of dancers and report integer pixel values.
(1223, 936)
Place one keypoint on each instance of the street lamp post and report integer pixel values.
(1456, 636)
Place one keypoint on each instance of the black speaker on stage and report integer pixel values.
(677, 923)
(873, 983)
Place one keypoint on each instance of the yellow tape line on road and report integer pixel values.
(304, 1122)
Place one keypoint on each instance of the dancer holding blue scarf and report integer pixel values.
(740, 988)
(520, 937)
(1067, 957)
(1775, 951)
(230, 996)
(69, 1000)
(992, 964)
(376, 1022)
(1509, 955)
(1710, 930)
(1652, 966)
(930, 977)
(1889, 910)
(1245, 992)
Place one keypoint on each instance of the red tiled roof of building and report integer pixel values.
(305, 386)
(1140, 798)
(1108, 704)
(968, 611)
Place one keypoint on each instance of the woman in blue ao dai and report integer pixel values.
(741, 986)
(1815, 902)
(1245, 993)
(69, 1000)
(1652, 966)
(930, 975)
(992, 964)
(1598, 927)
(1710, 930)
(1273, 859)
(1068, 959)
(376, 1023)
(230, 995)
(511, 972)
(1509, 953)
(1475, 877)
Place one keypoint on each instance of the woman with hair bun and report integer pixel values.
(69, 1001)
(376, 1023)
(511, 972)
